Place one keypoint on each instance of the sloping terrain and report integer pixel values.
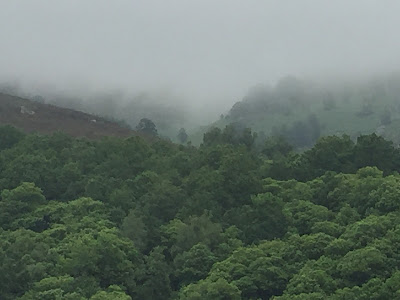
(303, 111)
(31, 116)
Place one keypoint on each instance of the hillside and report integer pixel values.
(131, 220)
(31, 116)
(303, 111)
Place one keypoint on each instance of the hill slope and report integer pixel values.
(302, 111)
(31, 116)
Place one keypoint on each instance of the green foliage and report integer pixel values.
(331, 153)
(303, 215)
(182, 135)
(23, 199)
(347, 108)
(194, 264)
(257, 272)
(234, 134)
(9, 136)
(182, 236)
(154, 283)
(313, 278)
(263, 219)
(62, 287)
(147, 126)
(218, 290)
(359, 265)
(126, 219)
(113, 292)
(276, 148)
(373, 150)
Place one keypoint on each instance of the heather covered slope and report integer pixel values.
(32, 116)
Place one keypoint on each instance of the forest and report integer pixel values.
(232, 219)
(303, 110)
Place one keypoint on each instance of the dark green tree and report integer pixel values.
(147, 127)
(182, 136)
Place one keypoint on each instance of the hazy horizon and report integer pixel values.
(206, 54)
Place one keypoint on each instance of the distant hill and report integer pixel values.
(303, 111)
(33, 116)
(168, 112)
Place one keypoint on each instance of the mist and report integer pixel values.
(200, 55)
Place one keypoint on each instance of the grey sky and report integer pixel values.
(205, 51)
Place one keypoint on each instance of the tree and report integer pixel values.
(261, 220)
(374, 150)
(276, 147)
(113, 292)
(147, 127)
(182, 135)
(331, 153)
(9, 136)
(104, 255)
(182, 236)
(212, 137)
(234, 134)
(194, 264)
(359, 265)
(312, 278)
(155, 284)
(259, 272)
(238, 134)
(62, 287)
(303, 215)
(14, 203)
(206, 289)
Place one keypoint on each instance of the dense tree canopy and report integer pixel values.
(132, 219)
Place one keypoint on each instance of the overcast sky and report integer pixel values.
(205, 51)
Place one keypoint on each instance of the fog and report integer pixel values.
(207, 54)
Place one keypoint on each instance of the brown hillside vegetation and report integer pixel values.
(32, 116)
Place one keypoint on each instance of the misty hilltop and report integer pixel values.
(205, 55)
(298, 109)
(301, 110)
